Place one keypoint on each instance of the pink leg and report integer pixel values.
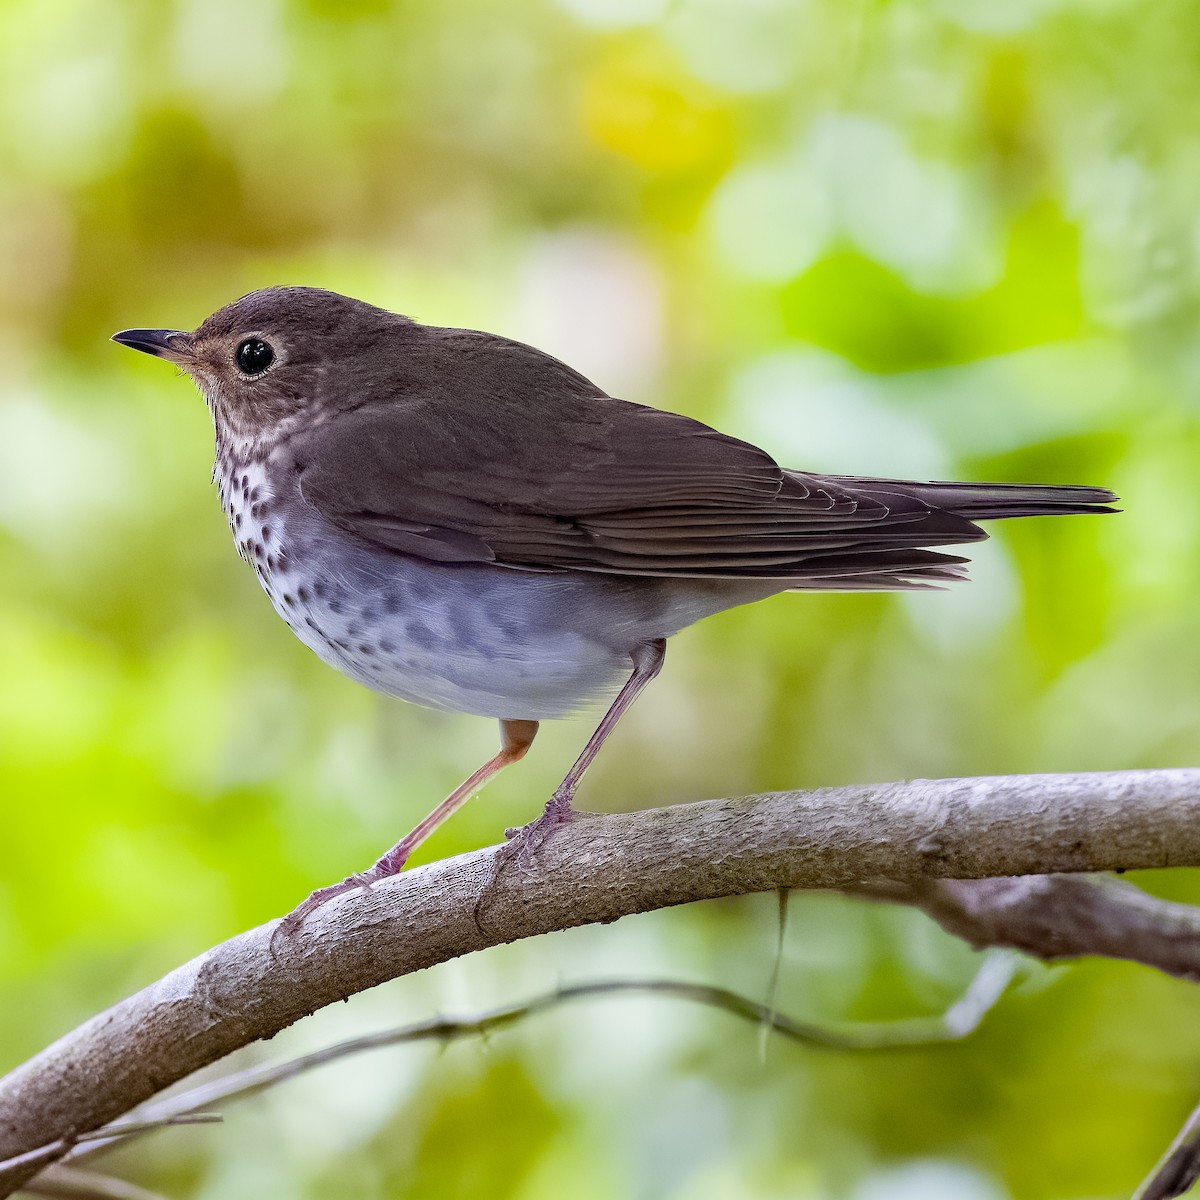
(515, 739)
(647, 662)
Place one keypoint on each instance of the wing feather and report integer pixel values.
(504, 455)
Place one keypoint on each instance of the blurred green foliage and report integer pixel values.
(936, 239)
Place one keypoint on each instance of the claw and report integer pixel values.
(516, 737)
(525, 843)
(291, 924)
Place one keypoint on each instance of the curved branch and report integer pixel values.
(1059, 916)
(596, 869)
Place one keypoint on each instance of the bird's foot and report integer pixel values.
(524, 843)
(392, 863)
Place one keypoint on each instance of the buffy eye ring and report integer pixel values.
(254, 356)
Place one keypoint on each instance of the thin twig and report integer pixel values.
(782, 897)
(117, 1131)
(1178, 1168)
(70, 1183)
(962, 1018)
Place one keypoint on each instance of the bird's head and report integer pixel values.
(276, 358)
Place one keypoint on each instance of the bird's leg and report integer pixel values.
(515, 739)
(525, 842)
(647, 662)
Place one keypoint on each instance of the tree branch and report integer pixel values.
(1058, 916)
(596, 869)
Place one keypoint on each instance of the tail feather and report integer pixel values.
(892, 553)
(996, 501)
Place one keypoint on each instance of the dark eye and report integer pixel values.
(254, 356)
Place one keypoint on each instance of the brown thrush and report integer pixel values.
(465, 522)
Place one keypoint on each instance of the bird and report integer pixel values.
(460, 520)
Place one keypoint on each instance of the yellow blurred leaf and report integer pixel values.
(640, 104)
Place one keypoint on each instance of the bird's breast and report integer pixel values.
(464, 637)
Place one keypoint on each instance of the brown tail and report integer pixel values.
(995, 501)
(894, 553)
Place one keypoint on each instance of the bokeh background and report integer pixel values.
(945, 239)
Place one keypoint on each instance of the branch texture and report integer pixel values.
(596, 869)
(1058, 916)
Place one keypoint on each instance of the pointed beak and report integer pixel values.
(171, 344)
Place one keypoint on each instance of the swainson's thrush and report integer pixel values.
(463, 521)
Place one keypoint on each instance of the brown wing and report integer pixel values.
(507, 456)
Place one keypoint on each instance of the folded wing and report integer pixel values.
(541, 477)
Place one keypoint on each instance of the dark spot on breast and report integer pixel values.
(237, 520)
(319, 589)
(254, 492)
(462, 630)
(354, 629)
(363, 648)
(341, 645)
(336, 607)
(392, 602)
(387, 646)
(266, 533)
(420, 635)
(289, 599)
(258, 550)
(302, 594)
